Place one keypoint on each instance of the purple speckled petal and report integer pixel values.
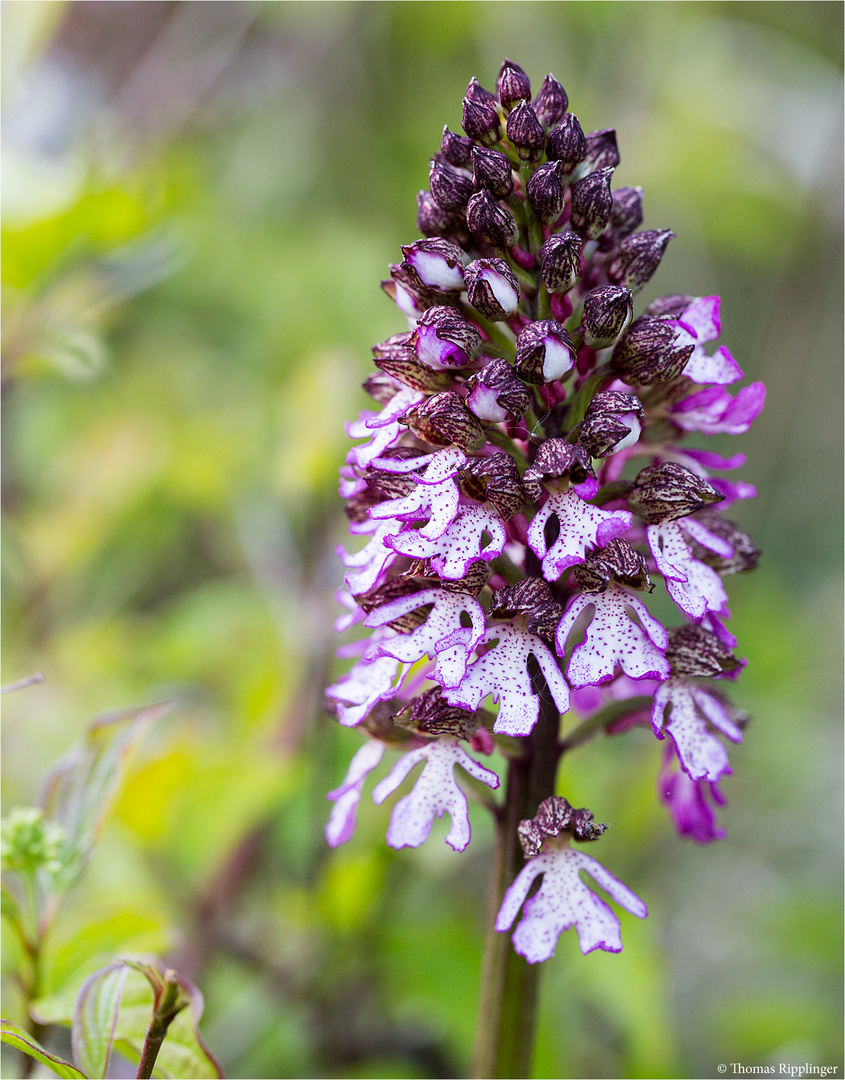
(381, 429)
(563, 901)
(581, 527)
(366, 683)
(341, 823)
(687, 802)
(460, 545)
(435, 497)
(503, 672)
(702, 317)
(368, 563)
(694, 586)
(612, 638)
(443, 621)
(702, 755)
(720, 368)
(435, 793)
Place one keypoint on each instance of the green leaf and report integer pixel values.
(95, 1018)
(13, 1036)
(80, 788)
(183, 1055)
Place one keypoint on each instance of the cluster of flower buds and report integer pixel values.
(521, 487)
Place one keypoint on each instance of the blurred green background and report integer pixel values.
(199, 202)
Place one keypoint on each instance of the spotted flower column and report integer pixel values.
(519, 489)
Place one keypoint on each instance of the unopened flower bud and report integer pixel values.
(496, 394)
(513, 84)
(381, 386)
(550, 103)
(669, 491)
(431, 714)
(456, 149)
(492, 171)
(592, 203)
(560, 261)
(444, 420)
(481, 121)
(616, 561)
(437, 263)
(695, 652)
(544, 352)
(492, 288)
(386, 593)
(476, 92)
(546, 191)
(444, 339)
(532, 597)
(433, 220)
(607, 312)
(745, 552)
(495, 479)
(673, 305)
(613, 422)
(491, 221)
(401, 363)
(451, 189)
(626, 214)
(602, 151)
(567, 143)
(407, 291)
(648, 353)
(554, 816)
(526, 132)
(557, 458)
(637, 258)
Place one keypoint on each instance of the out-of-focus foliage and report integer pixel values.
(199, 203)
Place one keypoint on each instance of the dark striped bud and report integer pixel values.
(550, 103)
(443, 338)
(626, 214)
(554, 816)
(492, 288)
(532, 597)
(544, 352)
(433, 220)
(481, 121)
(613, 422)
(602, 151)
(616, 561)
(444, 420)
(456, 149)
(381, 387)
(637, 258)
(560, 261)
(477, 94)
(592, 203)
(668, 491)
(526, 132)
(495, 479)
(437, 263)
(673, 305)
(431, 714)
(394, 589)
(546, 191)
(567, 143)
(607, 312)
(513, 84)
(450, 189)
(491, 221)
(647, 354)
(697, 653)
(557, 458)
(745, 552)
(496, 394)
(492, 171)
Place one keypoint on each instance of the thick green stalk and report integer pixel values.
(507, 1008)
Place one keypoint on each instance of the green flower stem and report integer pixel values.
(507, 1009)
(165, 1010)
